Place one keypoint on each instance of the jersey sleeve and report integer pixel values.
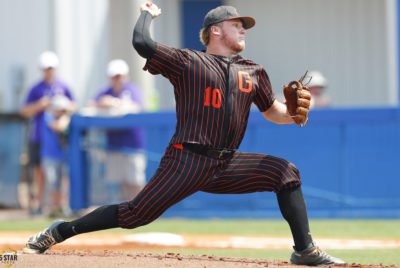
(69, 94)
(102, 92)
(32, 96)
(264, 96)
(136, 95)
(167, 61)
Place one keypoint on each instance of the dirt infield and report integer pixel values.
(106, 258)
(105, 250)
(75, 258)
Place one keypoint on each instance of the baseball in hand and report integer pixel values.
(152, 8)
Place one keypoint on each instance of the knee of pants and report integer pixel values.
(139, 222)
(290, 177)
(133, 216)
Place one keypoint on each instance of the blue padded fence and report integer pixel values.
(12, 145)
(348, 160)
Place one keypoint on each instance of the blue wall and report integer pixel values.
(193, 13)
(348, 161)
(12, 137)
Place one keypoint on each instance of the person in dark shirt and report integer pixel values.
(214, 90)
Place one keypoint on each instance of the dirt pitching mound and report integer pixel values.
(108, 258)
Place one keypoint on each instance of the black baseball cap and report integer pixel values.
(223, 13)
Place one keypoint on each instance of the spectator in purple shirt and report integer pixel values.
(37, 101)
(126, 163)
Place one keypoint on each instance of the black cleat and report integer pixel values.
(44, 240)
(313, 256)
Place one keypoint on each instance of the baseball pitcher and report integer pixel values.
(214, 90)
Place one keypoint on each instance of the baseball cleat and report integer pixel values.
(313, 256)
(44, 240)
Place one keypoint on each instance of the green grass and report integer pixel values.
(385, 229)
(322, 228)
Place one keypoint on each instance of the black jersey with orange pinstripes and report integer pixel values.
(213, 94)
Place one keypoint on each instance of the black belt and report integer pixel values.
(216, 153)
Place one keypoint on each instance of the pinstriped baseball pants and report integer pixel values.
(182, 173)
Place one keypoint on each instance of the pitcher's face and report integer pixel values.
(233, 35)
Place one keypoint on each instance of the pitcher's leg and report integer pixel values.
(178, 176)
(102, 218)
(293, 208)
(249, 172)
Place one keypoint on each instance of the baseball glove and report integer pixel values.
(298, 98)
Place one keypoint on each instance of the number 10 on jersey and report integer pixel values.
(212, 97)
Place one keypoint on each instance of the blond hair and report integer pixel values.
(205, 33)
(205, 36)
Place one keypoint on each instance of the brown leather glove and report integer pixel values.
(298, 98)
